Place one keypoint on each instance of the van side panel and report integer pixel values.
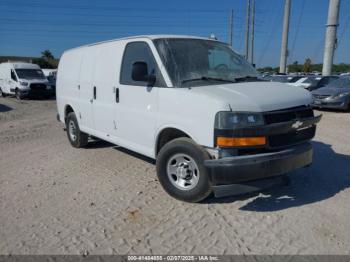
(67, 91)
(105, 81)
(5, 77)
(86, 79)
(2, 77)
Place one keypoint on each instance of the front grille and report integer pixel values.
(288, 115)
(38, 87)
(298, 136)
(320, 96)
(282, 140)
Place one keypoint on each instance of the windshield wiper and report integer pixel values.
(206, 78)
(246, 78)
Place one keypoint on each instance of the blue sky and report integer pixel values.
(28, 27)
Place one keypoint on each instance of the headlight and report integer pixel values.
(24, 83)
(341, 95)
(230, 120)
(48, 87)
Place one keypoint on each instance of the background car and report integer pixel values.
(305, 82)
(285, 78)
(322, 81)
(335, 95)
(51, 75)
(314, 82)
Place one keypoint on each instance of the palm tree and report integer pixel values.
(47, 55)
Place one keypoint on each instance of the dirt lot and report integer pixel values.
(55, 199)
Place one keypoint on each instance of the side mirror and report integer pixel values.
(140, 73)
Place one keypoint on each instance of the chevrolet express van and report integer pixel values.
(23, 80)
(191, 103)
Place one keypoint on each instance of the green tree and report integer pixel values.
(295, 67)
(47, 55)
(308, 65)
(43, 63)
(265, 69)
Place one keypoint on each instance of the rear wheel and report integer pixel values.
(181, 171)
(77, 138)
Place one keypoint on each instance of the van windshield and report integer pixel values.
(30, 73)
(197, 62)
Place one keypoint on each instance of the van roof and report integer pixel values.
(152, 37)
(17, 65)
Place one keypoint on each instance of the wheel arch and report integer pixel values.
(68, 109)
(167, 134)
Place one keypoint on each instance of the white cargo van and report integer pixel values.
(192, 104)
(23, 80)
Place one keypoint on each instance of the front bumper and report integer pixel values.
(35, 93)
(232, 170)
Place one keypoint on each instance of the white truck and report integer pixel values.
(191, 103)
(23, 80)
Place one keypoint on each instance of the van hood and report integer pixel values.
(257, 96)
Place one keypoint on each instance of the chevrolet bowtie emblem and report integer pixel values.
(297, 124)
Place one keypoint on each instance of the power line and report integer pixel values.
(104, 15)
(110, 8)
(104, 24)
(272, 34)
(345, 28)
(297, 29)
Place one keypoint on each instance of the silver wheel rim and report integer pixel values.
(72, 130)
(183, 172)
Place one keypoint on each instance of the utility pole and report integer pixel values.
(331, 36)
(252, 36)
(284, 48)
(231, 29)
(247, 31)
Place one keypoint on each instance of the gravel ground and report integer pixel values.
(55, 199)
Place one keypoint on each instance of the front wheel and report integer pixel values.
(2, 94)
(77, 138)
(18, 95)
(181, 171)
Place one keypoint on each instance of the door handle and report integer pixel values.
(117, 95)
(95, 92)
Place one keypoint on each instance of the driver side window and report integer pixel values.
(139, 52)
(13, 75)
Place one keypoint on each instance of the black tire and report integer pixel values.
(188, 147)
(18, 95)
(77, 138)
(2, 94)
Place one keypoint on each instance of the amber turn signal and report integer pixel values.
(240, 141)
